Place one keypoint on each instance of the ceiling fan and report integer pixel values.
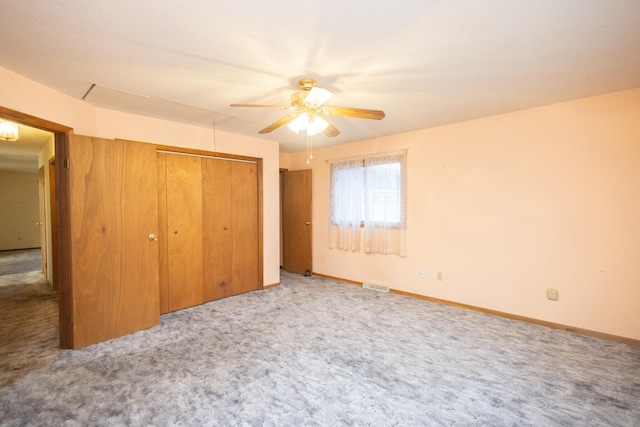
(309, 113)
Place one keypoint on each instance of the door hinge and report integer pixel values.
(71, 320)
(67, 163)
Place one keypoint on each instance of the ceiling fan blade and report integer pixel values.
(284, 107)
(277, 124)
(331, 130)
(354, 112)
(318, 96)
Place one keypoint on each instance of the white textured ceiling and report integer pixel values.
(425, 63)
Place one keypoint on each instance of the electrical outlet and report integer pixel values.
(552, 294)
(439, 276)
(420, 273)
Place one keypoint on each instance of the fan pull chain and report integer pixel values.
(309, 149)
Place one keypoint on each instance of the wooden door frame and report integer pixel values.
(54, 223)
(59, 256)
(280, 218)
(42, 218)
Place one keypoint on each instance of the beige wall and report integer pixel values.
(507, 206)
(19, 212)
(504, 207)
(21, 94)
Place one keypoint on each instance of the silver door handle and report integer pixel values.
(153, 237)
(308, 223)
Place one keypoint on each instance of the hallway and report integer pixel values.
(29, 334)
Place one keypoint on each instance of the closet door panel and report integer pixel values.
(217, 200)
(163, 245)
(245, 227)
(184, 239)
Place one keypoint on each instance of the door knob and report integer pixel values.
(153, 237)
(308, 223)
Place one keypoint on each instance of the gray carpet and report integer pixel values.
(313, 352)
(20, 261)
(29, 334)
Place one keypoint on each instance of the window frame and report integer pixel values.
(391, 225)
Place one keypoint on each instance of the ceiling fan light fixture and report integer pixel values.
(8, 130)
(316, 125)
(318, 96)
(308, 112)
(312, 125)
(299, 123)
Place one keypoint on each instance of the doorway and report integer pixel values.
(26, 187)
(57, 134)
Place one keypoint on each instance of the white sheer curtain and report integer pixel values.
(385, 213)
(347, 185)
(369, 194)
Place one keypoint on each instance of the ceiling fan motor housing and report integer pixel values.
(297, 98)
(307, 84)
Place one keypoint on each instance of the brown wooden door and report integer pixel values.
(113, 264)
(209, 216)
(230, 232)
(163, 233)
(217, 200)
(297, 222)
(245, 250)
(184, 231)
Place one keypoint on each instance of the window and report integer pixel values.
(368, 197)
(383, 194)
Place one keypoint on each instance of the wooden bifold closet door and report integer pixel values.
(209, 230)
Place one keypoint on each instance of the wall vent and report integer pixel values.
(375, 287)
